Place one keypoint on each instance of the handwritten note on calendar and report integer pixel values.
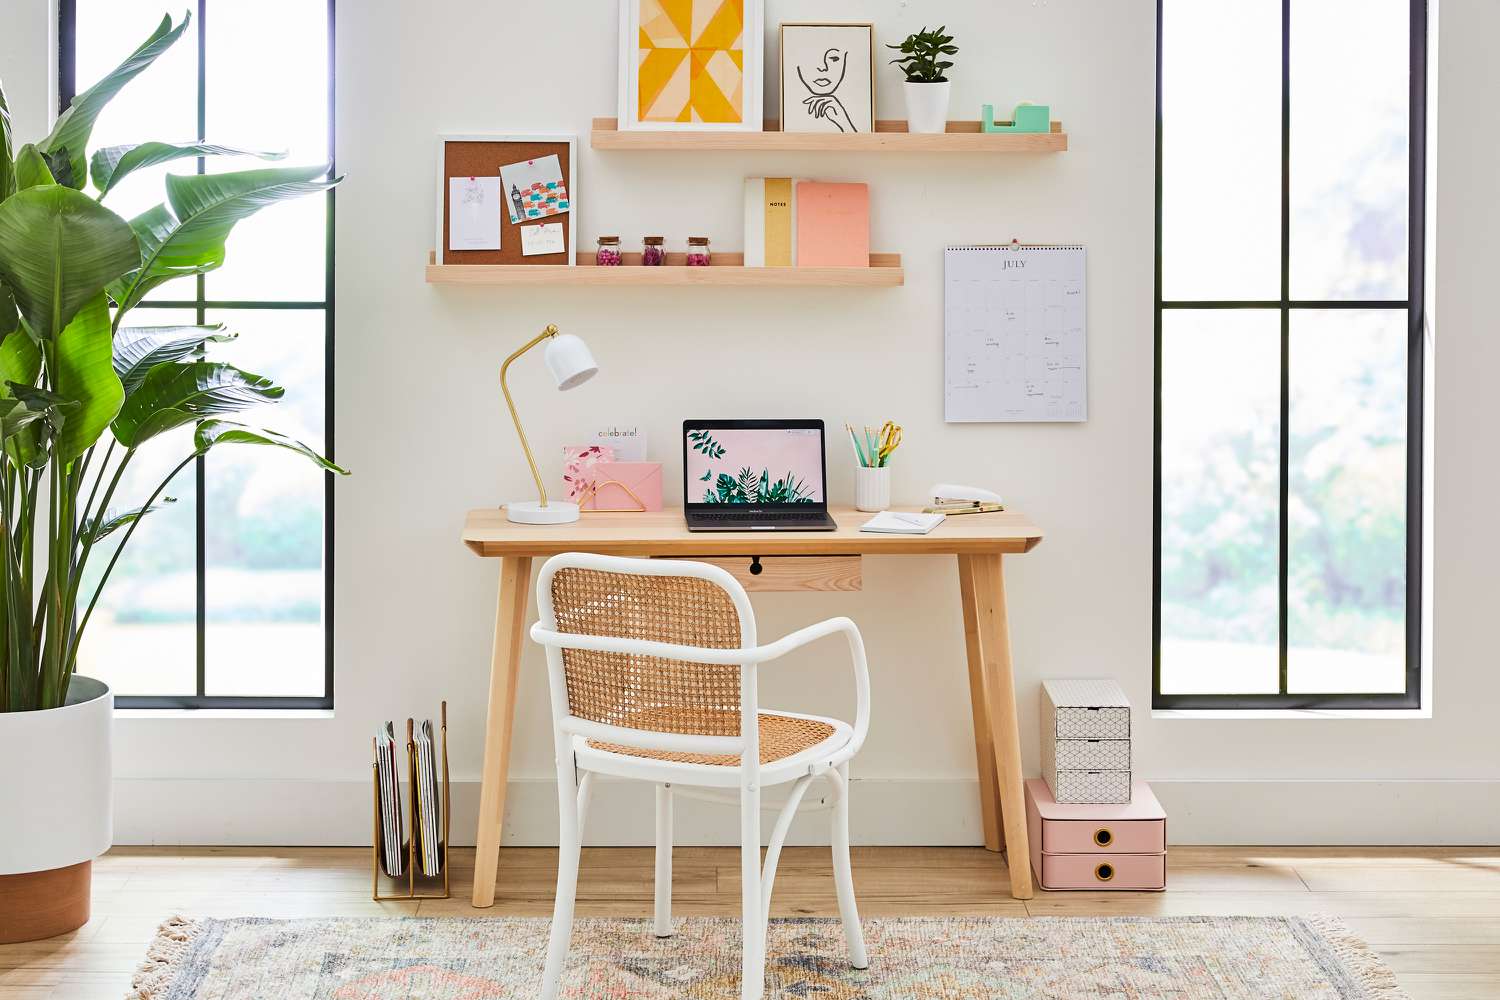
(1015, 334)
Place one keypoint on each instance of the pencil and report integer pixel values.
(854, 444)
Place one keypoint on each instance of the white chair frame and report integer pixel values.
(577, 764)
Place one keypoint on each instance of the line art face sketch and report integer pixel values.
(827, 80)
(823, 88)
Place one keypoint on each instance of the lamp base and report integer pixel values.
(532, 512)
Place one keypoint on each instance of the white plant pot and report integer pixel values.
(55, 784)
(927, 106)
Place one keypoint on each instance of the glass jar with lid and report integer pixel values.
(609, 252)
(653, 251)
(697, 252)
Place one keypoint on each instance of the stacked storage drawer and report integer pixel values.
(1097, 846)
(1086, 741)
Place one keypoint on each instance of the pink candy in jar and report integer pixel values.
(697, 253)
(653, 251)
(609, 252)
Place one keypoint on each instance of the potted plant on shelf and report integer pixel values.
(927, 85)
(81, 393)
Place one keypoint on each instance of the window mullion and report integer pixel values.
(1286, 339)
(199, 470)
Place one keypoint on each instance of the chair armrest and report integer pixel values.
(858, 662)
(734, 657)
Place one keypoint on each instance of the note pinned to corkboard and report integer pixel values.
(549, 198)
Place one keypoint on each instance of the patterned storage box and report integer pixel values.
(1086, 741)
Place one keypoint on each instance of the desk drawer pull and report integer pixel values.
(1103, 837)
(785, 573)
(1104, 872)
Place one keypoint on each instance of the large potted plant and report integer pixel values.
(81, 392)
(927, 86)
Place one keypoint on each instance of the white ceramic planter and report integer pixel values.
(58, 811)
(927, 106)
(55, 781)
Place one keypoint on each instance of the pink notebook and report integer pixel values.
(833, 224)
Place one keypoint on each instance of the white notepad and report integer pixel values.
(896, 522)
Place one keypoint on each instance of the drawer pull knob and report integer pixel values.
(1103, 837)
(756, 569)
(1104, 872)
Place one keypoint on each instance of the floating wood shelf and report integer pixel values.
(728, 269)
(889, 136)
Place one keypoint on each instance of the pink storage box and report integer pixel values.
(1115, 847)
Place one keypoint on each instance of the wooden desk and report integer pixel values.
(978, 540)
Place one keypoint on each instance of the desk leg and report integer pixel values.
(994, 636)
(510, 625)
(984, 743)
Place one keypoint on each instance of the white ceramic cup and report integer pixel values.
(872, 489)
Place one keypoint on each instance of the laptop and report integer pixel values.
(755, 475)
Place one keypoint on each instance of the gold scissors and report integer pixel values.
(890, 440)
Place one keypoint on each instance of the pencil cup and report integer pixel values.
(872, 489)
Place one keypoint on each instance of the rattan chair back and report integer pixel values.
(646, 692)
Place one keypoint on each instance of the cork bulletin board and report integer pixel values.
(482, 155)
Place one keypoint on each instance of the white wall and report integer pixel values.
(421, 424)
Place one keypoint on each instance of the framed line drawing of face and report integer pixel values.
(827, 77)
(692, 65)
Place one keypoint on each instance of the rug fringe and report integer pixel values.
(167, 948)
(1357, 957)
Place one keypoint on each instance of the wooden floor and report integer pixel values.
(1432, 913)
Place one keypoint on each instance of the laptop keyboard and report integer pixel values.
(765, 515)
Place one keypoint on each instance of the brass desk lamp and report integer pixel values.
(571, 364)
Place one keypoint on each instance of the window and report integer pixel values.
(224, 599)
(1289, 322)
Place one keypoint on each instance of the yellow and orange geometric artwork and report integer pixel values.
(692, 61)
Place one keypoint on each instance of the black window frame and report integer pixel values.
(1414, 304)
(200, 305)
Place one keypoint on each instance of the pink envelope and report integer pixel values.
(616, 481)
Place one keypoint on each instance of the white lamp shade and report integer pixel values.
(570, 361)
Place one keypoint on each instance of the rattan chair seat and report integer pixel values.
(781, 736)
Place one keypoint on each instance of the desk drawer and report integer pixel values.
(770, 573)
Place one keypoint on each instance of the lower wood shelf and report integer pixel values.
(727, 270)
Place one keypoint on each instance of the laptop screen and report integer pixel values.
(754, 463)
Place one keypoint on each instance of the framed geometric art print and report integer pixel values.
(692, 65)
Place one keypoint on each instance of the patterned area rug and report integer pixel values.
(1046, 958)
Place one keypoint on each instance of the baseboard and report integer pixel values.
(885, 811)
